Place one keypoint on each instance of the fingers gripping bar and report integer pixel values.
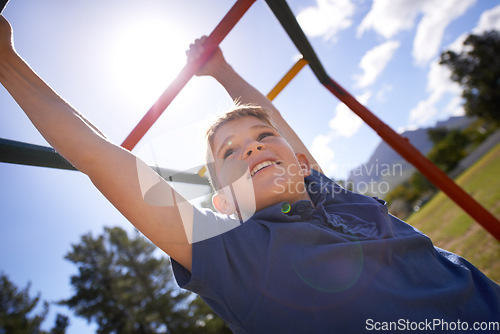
(189, 70)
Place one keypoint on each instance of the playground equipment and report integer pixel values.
(3, 3)
(285, 16)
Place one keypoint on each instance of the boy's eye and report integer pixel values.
(228, 153)
(264, 135)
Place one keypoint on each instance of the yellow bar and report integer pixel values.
(287, 78)
(202, 171)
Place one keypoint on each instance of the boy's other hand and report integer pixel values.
(6, 43)
(197, 49)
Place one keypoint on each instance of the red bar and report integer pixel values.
(401, 145)
(211, 44)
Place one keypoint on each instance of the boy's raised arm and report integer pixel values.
(112, 169)
(239, 89)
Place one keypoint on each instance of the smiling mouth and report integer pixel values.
(262, 166)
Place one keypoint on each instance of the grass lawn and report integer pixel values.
(451, 228)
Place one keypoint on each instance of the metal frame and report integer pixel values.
(16, 152)
(189, 70)
(3, 3)
(285, 16)
(399, 143)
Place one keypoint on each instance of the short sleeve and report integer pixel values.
(208, 226)
(225, 258)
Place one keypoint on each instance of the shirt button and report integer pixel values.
(285, 207)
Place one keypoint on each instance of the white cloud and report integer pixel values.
(438, 80)
(346, 123)
(489, 20)
(438, 84)
(455, 107)
(457, 45)
(402, 129)
(375, 61)
(381, 94)
(323, 154)
(437, 15)
(388, 17)
(424, 111)
(327, 18)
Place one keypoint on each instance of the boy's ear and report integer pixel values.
(221, 204)
(305, 165)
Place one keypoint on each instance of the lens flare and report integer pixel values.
(337, 278)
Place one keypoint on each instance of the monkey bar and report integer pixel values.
(189, 70)
(287, 78)
(285, 16)
(3, 3)
(16, 152)
(400, 144)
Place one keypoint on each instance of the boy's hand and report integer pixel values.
(6, 43)
(213, 63)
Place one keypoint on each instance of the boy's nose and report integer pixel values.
(254, 148)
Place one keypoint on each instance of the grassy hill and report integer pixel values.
(451, 228)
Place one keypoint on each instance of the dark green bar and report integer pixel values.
(285, 16)
(16, 152)
(3, 3)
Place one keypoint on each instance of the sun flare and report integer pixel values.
(145, 58)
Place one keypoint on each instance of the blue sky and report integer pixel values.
(112, 59)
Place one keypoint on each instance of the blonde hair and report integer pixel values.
(238, 112)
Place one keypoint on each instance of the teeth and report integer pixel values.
(261, 166)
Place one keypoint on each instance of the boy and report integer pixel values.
(312, 258)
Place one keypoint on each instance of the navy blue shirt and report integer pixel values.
(342, 266)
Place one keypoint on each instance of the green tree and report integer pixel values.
(421, 185)
(125, 288)
(437, 134)
(204, 317)
(477, 70)
(448, 152)
(61, 323)
(450, 146)
(17, 309)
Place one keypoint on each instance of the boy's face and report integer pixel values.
(251, 148)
